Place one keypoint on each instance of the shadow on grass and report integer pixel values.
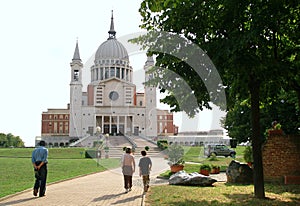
(192, 203)
(237, 200)
(239, 195)
(249, 199)
(278, 188)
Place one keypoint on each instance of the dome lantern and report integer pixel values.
(112, 32)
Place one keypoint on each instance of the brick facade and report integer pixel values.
(55, 122)
(165, 124)
(281, 156)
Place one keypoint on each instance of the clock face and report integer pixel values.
(113, 95)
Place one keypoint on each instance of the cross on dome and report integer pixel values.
(112, 32)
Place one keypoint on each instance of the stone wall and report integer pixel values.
(281, 157)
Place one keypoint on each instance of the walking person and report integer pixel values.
(128, 168)
(39, 161)
(145, 165)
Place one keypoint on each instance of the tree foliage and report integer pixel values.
(283, 109)
(9, 140)
(254, 45)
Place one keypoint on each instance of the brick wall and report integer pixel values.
(281, 156)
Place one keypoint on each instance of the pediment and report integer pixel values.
(115, 80)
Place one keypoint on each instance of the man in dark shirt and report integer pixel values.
(39, 161)
(145, 165)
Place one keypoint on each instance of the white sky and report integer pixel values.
(37, 42)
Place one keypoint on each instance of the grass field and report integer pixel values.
(196, 155)
(222, 194)
(16, 171)
(16, 174)
(69, 153)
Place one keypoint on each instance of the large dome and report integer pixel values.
(111, 49)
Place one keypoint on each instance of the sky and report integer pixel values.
(37, 42)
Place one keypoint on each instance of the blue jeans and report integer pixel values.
(40, 180)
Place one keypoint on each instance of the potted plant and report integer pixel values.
(248, 155)
(215, 169)
(205, 169)
(147, 148)
(276, 129)
(175, 154)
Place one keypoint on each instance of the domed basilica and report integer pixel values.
(110, 101)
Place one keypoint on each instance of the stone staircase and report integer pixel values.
(117, 143)
(86, 141)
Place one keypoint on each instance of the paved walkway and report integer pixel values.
(104, 188)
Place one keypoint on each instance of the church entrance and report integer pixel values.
(121, 129)
(136, 131)
(114, 129)
(116, 125)
(106, 129)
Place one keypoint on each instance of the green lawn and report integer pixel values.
(16, 171)
(222, 194)
(16, 174)
(196, 154)
(69, 153)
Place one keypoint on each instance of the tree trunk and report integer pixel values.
(259, 190)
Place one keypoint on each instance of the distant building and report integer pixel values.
(165, 126)
(199, 138)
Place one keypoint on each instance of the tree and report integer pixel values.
(283, 109)
(9, 140)
(254, 45)
(237, 121)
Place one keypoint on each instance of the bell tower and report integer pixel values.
(150, 98)
(76, 95)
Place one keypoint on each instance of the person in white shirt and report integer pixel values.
(128, 168)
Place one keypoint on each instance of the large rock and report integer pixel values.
(239, 173)
(194, 179)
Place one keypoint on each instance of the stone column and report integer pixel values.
(118, 128)
(125, 125)
(102, 124)
(109, 124)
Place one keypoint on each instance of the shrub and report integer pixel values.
(215, 166)
(205, 167)
(162, 144)
(90, 154)
(175, 154)
(248, 156)
(97, 143)
(213, 157)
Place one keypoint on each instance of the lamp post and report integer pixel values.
(98, 152)
(106, 148)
